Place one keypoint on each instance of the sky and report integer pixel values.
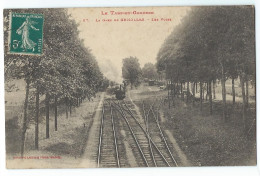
(112, 41)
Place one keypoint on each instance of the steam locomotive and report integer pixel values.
(120, 92)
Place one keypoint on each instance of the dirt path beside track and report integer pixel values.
(89, 156)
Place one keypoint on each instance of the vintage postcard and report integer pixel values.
(130, 87)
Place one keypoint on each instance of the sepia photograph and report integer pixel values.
(127, 87)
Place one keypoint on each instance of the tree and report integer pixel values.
(131, 71)
(66, 71)
(212, 44)
(149, 71)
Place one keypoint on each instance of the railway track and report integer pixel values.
(158, 135)
(109, 148)
(144, 135)
(146, 121)
(148, 153)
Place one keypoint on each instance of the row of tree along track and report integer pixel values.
(145, 137)
(65, 73)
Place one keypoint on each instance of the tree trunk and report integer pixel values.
(193, 89)
(177, 89)
(223, 84)
(70, 105)
(174, 90)
(55, 113)
(47, 111)
(188, 91)
(242, 82)
(37, 107)
(173, 93)
(210, 97)
(193, 92)
(200, 96)
(233, 91)
(66, 107)
(207, 91)
(247, 96)
(25, 116)
(168, 88)
(171, 89)
(203, 91)
(182, 92)
(214, 86)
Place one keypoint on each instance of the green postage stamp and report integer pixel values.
(26, 33)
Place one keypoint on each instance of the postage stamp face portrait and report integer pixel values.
(26, 33)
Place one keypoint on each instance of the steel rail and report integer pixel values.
(134, 136)
(156, 117)
(162, 135)
(100, 136)
(147, 135)
(147, 130)
(114, 133)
